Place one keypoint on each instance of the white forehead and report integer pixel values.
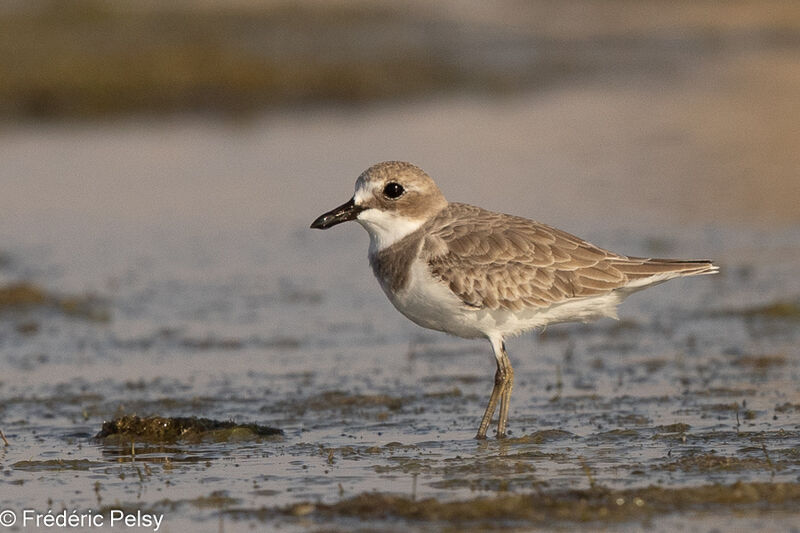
(364, 190)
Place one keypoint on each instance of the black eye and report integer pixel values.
(393, 190)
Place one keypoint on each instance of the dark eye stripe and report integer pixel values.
(393, 190)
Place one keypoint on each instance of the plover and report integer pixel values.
(474, 273)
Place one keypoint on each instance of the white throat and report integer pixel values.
(385, 228)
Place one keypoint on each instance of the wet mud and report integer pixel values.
(642, 422)
(629, 439)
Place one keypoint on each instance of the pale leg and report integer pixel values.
(501, 391)
(505, 394)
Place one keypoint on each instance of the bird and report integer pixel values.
(475, 273)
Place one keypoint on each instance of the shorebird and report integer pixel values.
(474, 273)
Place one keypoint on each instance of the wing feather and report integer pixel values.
(490, 260)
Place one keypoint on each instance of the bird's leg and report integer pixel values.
(487, 416)
(505, 393)
(503, 379)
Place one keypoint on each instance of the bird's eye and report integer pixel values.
(393, 190)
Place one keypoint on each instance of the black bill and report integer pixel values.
(343, 213)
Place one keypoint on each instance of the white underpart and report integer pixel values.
(385, 228)
(431, 304)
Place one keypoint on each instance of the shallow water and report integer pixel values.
(192, 239)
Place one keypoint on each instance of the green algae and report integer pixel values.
(783, 309)
(345, 401)
(57, 464)
(780, 309)
(219, 499)
(678, 427)
(26, 296)
(21, 295)
(594, 505)
(618, 434)
(232, 59)
(539, 437)
(788, 407)
(187, 429)
(455, 392)
(712, 462)
(631, 419)
(27, 328)
(761, 363)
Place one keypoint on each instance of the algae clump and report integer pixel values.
(597, 505)
(170, 429)
(24, 296)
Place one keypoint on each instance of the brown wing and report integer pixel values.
(491, 260)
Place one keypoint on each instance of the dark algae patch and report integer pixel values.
(57, 464)
(785, 309)
(788, 408)
(781, 309)
(595, 505)
(541, 436)
(23, 296)
(343, 400)
(192, 429)
(712, 462)
(677, 427)
(232, 59)
(99, 58)
(346, 402)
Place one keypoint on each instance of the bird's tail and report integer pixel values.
(647, 271)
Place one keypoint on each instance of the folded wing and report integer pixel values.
(491, 260)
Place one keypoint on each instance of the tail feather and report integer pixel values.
(642, 272)
(640, 266)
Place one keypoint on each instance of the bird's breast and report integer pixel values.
(428, 301)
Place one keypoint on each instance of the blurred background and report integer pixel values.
(571, 104)
(160, 162)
